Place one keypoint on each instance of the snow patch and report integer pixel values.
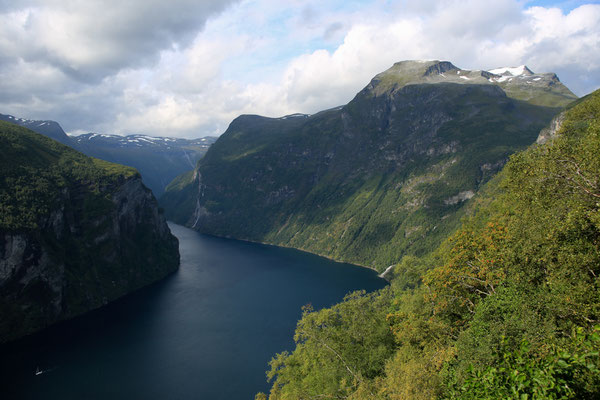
(511, 71)
(296, 115)
(464, 77)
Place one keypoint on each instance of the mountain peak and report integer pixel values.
(518, 82)
(47, 128)
(411, 71)
(420, 68)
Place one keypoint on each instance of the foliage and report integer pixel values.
(34, 170)
(88, 230)
(473, 270)
(337, 349)
(508, 306)
(522, 374)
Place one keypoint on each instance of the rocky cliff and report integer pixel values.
(75, 233)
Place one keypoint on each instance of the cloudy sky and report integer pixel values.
(188, 67)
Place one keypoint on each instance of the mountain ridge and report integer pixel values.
(520, 83)
(47, 128)
(506, 307)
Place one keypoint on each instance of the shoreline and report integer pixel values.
(380, 275)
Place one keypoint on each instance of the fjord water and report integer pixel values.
(206, 332)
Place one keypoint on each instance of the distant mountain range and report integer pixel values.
(158, 159)
(387, 175)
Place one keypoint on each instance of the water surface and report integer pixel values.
(206, 332)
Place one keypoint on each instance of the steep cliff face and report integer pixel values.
(552, 130)
(75, 233)
(384, 176)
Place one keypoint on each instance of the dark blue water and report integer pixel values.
(206, 332)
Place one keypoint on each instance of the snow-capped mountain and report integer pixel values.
(47, 128)
(158, 159)
(512, 71)
(521, 83)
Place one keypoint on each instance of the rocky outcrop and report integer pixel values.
(552, 130)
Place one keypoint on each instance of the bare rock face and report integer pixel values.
(551, 131)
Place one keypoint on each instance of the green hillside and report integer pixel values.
(34, 171)
(385, 176)
(508, 307)
(75, 233)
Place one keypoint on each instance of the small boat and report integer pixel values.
(38, 371)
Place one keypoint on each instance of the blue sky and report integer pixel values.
(188, 67)
(566, 5)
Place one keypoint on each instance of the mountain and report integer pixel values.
(518, 82)
(75, 233)
(387, 175)
(506, 308)
(159, 159)
(47, 128)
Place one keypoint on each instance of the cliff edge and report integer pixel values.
(75, 233)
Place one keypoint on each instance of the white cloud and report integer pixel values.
(166, 68)
(89, 40)
(497, 34)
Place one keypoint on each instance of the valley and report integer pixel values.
(474, 193)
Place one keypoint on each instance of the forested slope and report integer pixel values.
(75, 232)
(507, 307)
